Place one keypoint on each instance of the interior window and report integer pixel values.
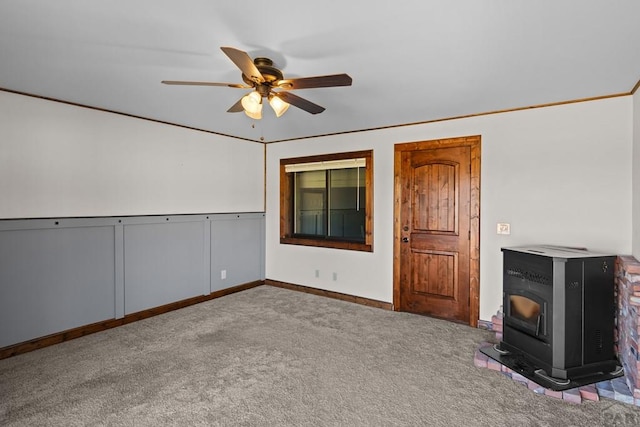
(326, 201)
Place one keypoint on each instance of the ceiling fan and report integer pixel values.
(269, 82)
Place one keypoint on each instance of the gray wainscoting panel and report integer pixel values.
(237, 250)
(63, 273)
(163, 263)
(54, 279)
(119, 263)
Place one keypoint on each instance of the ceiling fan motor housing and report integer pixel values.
(270, 74)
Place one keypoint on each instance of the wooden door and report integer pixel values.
(437, 229)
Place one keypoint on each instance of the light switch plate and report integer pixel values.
(504, 228)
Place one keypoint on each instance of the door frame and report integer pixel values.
(474, 215)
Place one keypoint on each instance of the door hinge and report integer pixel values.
(469, 234)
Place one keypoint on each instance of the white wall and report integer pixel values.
(636, 175)
(559, 175)
(58, 160)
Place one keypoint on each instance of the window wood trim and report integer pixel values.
(286, 199)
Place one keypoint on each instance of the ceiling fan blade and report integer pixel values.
(237, 107)
(301, 103)
(244, 62)
(313, 82)
(188, 83)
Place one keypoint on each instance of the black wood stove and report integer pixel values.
(559, 316)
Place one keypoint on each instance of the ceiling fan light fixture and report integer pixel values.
(261, 75)
(278, 105)
(252, 104)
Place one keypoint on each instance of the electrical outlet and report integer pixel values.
(504, 228)
(223, 274)
(335, 276)
(317, 273)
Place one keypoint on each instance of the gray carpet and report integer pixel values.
(274, 357)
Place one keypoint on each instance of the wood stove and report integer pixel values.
(559, 315)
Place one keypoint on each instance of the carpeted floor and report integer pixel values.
(274, 357)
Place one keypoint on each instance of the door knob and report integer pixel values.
(405, 239)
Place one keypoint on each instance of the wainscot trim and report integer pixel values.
(330, 294)
(38, 343)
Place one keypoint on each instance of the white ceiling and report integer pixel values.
(410, 60)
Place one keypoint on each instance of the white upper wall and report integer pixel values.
(559, 175)
(636, 175)
(59, 160)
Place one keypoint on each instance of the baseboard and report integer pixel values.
(81, 331)
(330, 294)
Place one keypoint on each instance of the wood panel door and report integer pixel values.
(437, 219)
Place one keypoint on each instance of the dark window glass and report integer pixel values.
(330, 203)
